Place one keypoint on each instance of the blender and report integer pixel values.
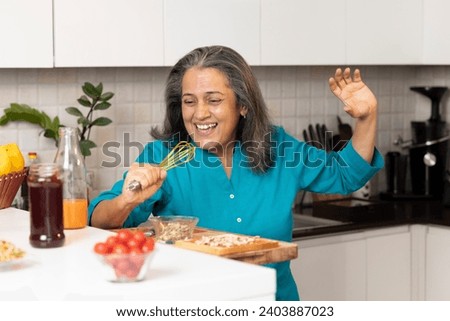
(428, 148)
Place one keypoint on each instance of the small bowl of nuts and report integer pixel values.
(171, 228)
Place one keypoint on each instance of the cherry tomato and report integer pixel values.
(137, 261)
(120, 249)
(139, 237)
(112, 261)
(132, 272)
(132, 243)
(101, 248)
(124, 236)
(148, 245)
(111, 241)
(135, 250)
(121, 267)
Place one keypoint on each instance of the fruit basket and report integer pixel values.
(9, 186)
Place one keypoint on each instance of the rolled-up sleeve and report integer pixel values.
(360, 171)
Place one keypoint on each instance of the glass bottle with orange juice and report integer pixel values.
(75, 187)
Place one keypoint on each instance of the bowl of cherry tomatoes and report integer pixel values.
(125, 256)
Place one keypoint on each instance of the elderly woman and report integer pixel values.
(246, 172)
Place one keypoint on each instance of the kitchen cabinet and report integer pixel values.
(331, 268)
(366, 265)
(108, 33)
(26, 34)
(436, 47)
(83, 33)
(328, 32)
(384, 32)
(196, 23)
(437, 277)
(388, 264)
(310, 32)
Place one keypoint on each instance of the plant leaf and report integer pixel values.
(84, 101)
(22, 112)
(106, 96)
(90, 90)
(85, 151)
(56, 123)
(46, 122)
(101, 121)
(49, 133)
(102, 106)
(83, 121)
(85, 146)
(3, 120)
(74, 111)
(89, 143)
(99, 89)
(19, 112)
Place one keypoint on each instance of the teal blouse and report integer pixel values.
(249, 203)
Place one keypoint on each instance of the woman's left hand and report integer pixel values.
(359, 101)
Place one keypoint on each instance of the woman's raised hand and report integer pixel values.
(359, 101)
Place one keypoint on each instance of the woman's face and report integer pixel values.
(209, 108)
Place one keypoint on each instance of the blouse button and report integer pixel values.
(231, 196)
(239, 220)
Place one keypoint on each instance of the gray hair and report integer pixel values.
(254, 131)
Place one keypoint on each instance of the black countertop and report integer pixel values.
(375, 214)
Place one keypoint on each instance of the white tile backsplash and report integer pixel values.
(295, 96)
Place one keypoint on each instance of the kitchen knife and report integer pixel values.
(345, 130)
(312, 136)
(320, 136)
(305, 136)
(327, 138)
(338, 143)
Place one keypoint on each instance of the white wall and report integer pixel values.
(296, 96)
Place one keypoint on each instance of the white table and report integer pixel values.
(72, 272)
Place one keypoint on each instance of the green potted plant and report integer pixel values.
(93, 98)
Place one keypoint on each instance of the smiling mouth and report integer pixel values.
(205, 126)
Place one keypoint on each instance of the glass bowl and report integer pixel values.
(172, 228)
(125, 267)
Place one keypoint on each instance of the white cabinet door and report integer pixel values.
(331, 268)
(389, 265)
(384, 31)
(437, 284)
(309, 32)
(26, 34)
(105, 33)
(197, 23)
(436, 47)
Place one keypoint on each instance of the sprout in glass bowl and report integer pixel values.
(171, 228)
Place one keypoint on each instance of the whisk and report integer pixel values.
(182, 153)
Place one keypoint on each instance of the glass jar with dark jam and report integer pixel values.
(45, 192)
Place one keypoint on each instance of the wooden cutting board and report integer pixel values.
(261, 251)
(283, 252)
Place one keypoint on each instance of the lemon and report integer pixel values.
(15, 157)
(5, 163)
